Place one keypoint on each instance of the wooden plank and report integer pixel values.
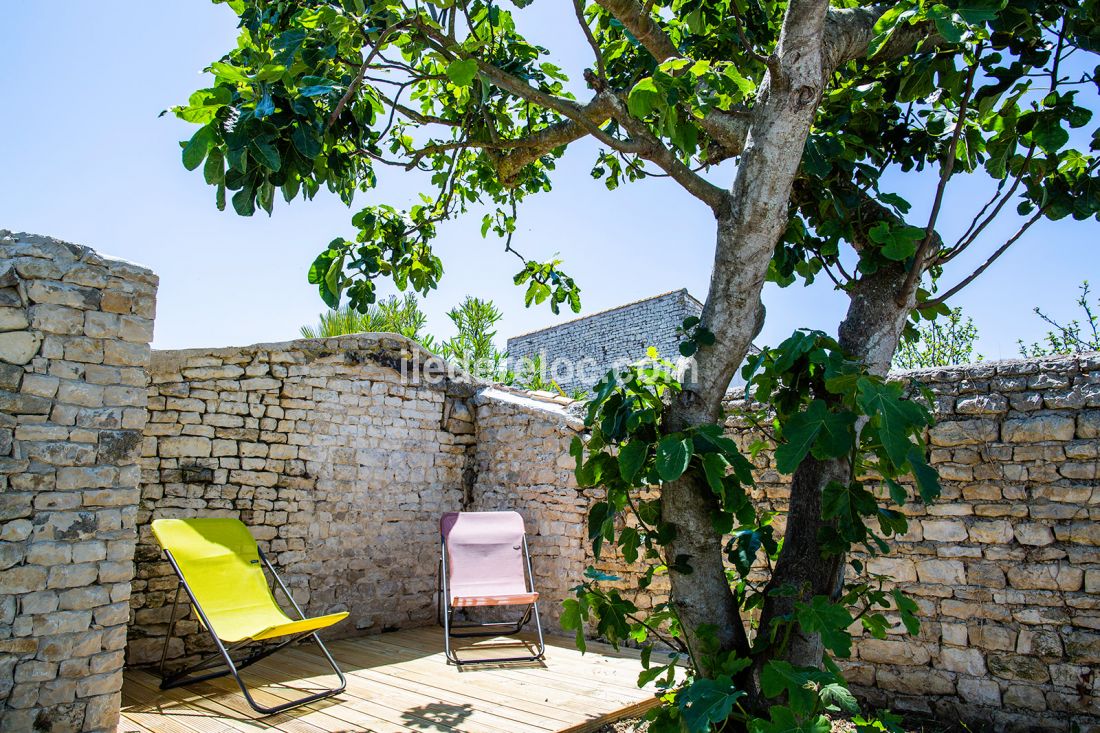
(302, 719)
(617, 681)
(388, 702)
(534, 712)
(192, 712)
(634, 711)
(539, 687)
(400, 682)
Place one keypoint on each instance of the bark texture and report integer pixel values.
(747, 235)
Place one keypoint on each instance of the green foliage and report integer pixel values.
(1070, 338)
(292, 109)
(392, 315)
(472, 347)
(820, 403)
(1025, 125)
(938, 343)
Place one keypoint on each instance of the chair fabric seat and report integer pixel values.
(514, 599)
(268, 624)
(220, 561)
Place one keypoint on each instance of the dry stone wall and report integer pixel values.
(74, 333)
(340, 465)
(1005, 568)
(579, 352)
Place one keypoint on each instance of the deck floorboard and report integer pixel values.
(400, 682)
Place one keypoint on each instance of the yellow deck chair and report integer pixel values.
(219, 566)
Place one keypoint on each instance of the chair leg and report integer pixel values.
(488, 629)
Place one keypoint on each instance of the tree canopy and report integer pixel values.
(818, 103)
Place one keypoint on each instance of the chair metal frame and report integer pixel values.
(489, 628)
(187, 676)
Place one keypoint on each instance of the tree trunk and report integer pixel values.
(747, 233)
(870, 332)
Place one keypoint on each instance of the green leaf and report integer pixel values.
(629, 541)
(780, 677)
(462, 71)
(244, 202)
(197, 147)
(267, 153)
(830, 621)
(705, 703)
(673, 455)
(835, 695)
(332, 276)
(908, 609)
(1048, 133)
(828, 433)
(714, 468)
(631, 459)
(214, 170)
(895, 417)
(305, 142)
(928, 479)
(951, 32)
(643, 97)
(783, 720)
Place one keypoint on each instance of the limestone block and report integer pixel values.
(1036, 534)
(13, 319)
(965, 661)
(19, 347)
(944, 530)
(1024, 696)
(944, 572)
(57, 319)
(185, 446)
(74, 296)
(993, 532)
(1080, 533)
(963, 432)
(1049, 576)
(982, 405)
(980, 691)
(1038, 428)
(1088, 424)
(1017, 667)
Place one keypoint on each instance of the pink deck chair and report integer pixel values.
(484, 562)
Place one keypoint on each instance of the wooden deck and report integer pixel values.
(398, 682)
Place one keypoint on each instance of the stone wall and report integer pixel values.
(339, 464)
(523, 464)
(597, 342)
(1005, 567)
(74, 333)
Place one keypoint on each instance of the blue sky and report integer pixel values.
(84, 157)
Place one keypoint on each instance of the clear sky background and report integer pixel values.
(84, 157)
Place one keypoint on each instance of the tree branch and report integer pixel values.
(654, 151)
(358, 80)
(985, 265)
(641, 25)
(849, 32)
(912, 278)
(578, 6)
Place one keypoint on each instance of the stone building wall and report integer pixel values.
(597, 342)
(339, 465)
(74, 333)
(1005, 567)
